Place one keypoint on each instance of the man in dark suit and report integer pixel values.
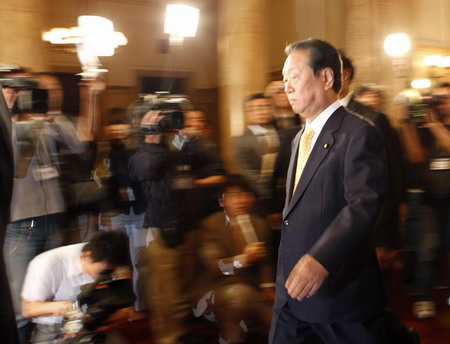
(329, 287)
(8, 326)
(393, 209)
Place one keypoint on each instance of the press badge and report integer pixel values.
(127, 194)
(45, 172)
(440, 164)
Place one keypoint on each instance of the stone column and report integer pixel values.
(243, 63)
(20, 33)
(369, 22)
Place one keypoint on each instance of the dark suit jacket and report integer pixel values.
(216, 244)
(8, 326)
(330, 217)
(386, 227)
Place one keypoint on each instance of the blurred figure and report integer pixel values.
(256, 151)
(38, 199)
(54, 278)
(235, 284)
(127, 209)
(196, 127)
(173, 173)
(284, 115)
(8, 326)
(427, 142)
(370, 95)
(393, 211)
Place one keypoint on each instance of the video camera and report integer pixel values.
(417, 112)
(172, 107)
(99, 300)
(31, 99)
(417, 104)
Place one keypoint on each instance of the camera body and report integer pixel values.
(417, 110)
(31, 99)
(171, 107)
(95, 303)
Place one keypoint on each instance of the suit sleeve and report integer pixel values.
(365, 181)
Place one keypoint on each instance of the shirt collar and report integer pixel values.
(74, 267)
(344, 101)
(320, 120)
(257, 129)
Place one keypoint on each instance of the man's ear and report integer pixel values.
(346, 75)
(327, 77)
(85, 254)
(220, 199)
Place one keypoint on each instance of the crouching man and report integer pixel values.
(236, 284)
(54, 278)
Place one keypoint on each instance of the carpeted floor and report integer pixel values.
(434, 331)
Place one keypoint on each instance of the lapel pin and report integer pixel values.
(326, 145)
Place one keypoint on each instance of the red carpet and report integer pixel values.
(435, 331)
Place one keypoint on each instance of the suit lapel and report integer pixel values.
(292, 163)
(322, 147)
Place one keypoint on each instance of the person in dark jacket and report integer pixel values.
(393, 210)
(126, 208)
(174, 171)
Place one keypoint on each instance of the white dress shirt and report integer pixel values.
(55, 275)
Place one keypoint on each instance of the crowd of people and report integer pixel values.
(328, 195)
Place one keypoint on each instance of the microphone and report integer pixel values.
(247, 228)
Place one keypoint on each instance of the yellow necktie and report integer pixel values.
(303, 154)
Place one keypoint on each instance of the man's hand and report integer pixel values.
(306, 277)
(255, 252)
(60, 308)
(152, 118)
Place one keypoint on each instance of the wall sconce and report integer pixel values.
(397, 46)
(438, 66)
(181, 21)
(421, 84)
(437, 61)
(94, 37)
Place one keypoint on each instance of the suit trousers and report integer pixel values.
(287, 328)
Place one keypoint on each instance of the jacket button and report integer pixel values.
(286, 222)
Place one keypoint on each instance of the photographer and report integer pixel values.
(235, 281)
(54, 278)
(175, 173)
(39, 135)
(427, 144)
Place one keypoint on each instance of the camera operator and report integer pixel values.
(175, 173)
(39, 134)
(427, 144)
(54, 278)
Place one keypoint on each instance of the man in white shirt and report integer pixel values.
(54, 278)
